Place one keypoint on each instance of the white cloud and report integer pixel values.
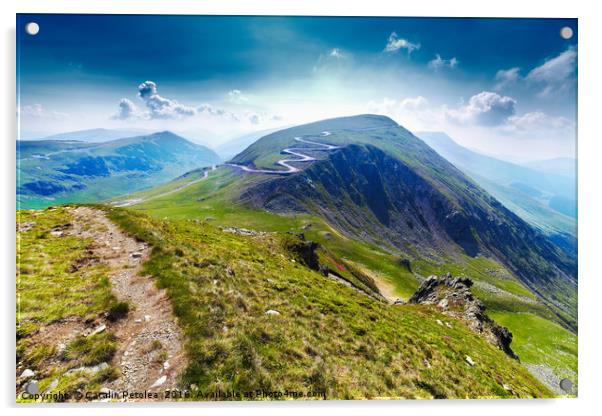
(485, 108)
(336, 53)
(392, 107)
(439, 63)
(555, 74)
(396, 43)
(237, 97)
(160, 107)
(38, 111)
(536, 124)
(506, 77)
(127, 110)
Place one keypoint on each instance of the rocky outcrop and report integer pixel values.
(453, 296)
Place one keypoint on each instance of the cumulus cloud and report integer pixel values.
(396, 43)
(38, 111)
(555, 73)
(237, 97)
(506, 77)
(160, 107)
(157, 106)
(127, 110)
(485, 108)
(439, 63)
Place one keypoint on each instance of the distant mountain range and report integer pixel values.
(543, 193)
(59, 171)
(96, 135)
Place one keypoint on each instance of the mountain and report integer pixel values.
(96, 135)
(59, 171)
(563, 166)
(384, 186)
(544, 198)
(386, 212)
(234, 146)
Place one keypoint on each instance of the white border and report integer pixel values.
(590, 250)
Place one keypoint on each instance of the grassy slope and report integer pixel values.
(49, 292)
(558, 352)
(208, 201)
(327, 337)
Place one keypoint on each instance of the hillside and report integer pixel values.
(434, 211)
(339, 200)
(543, 194)
(59, 171)
(254, 314)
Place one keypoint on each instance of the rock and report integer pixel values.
(90, 370)
(138, 321)
(508, 388)
(166, 365)
(454, 297)
(98, 330)
(136, 255)
(272, 312)
(25, 226)
(469, 361)
(147, 318)
(398, 302)
(27, 373)
(160, 381)
(52, 385)
(439, 322)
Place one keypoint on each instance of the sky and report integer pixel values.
(504, 87)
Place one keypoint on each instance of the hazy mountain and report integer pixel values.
(564, 166)
(546, 199)
(53, 171)
(96, 135)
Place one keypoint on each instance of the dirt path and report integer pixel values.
(150, 354)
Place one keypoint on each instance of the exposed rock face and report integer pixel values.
(453, 296)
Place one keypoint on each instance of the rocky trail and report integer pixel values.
(149, 355)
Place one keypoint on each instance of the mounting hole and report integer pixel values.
(32, 28)
(566, 385)
(566, 32)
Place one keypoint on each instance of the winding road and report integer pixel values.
(295, 151)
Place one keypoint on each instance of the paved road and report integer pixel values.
(295, 151)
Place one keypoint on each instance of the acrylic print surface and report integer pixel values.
(295, 208)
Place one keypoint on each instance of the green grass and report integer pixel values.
(54, 285)
(538, 341)
(327, 337)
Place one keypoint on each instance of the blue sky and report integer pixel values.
(502, 86)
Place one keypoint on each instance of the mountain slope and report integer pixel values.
(543, 197)
(434, 210)
(61, 171)
(256, 318)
